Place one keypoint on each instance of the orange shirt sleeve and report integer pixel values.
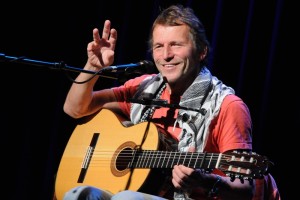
(126, 91)
(232, 129)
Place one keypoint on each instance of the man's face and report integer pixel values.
(174, 54)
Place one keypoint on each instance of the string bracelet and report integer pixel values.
(213, 193)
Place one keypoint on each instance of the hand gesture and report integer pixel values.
(101, 50)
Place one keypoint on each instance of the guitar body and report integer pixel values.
(90, 156)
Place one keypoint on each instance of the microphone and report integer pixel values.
(144, 66)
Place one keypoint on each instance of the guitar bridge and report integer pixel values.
(88, 157)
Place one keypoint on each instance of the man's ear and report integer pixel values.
(203, 54)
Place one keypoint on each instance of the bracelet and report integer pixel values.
(213, 193)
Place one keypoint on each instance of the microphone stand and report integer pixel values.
(50, 65)
(63, 66)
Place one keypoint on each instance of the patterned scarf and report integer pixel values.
(206, 93)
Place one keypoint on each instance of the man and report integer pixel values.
(207, 116)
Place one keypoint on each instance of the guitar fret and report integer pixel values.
(191, 157)
(132, 164)
(196, 160)
(145, 159)
(163, 161)
(183, 162)
(151, 159)
(158, 158)
(142, 160)
(173, 159)
(208, 166)
(154, 157)
(177, 158)
(167, 164)
(135, 162)
(202, 161)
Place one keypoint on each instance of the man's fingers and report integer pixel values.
(113, 38)
(96, 35)
(106, 30)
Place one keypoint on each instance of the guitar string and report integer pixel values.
(122, 161)
(164, 157)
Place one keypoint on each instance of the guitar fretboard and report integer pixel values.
(167, 159)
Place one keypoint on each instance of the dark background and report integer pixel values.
(252, 44)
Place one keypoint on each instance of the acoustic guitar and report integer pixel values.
(104, 153)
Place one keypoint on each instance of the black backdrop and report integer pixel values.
(252, 52)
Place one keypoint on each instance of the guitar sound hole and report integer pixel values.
(124, 159)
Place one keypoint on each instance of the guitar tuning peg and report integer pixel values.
(247, 153)
(250, 180)
(241, 179)
(232, 177)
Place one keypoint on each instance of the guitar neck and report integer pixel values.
(166, 159)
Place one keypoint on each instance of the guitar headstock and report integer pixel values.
(244, 165)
